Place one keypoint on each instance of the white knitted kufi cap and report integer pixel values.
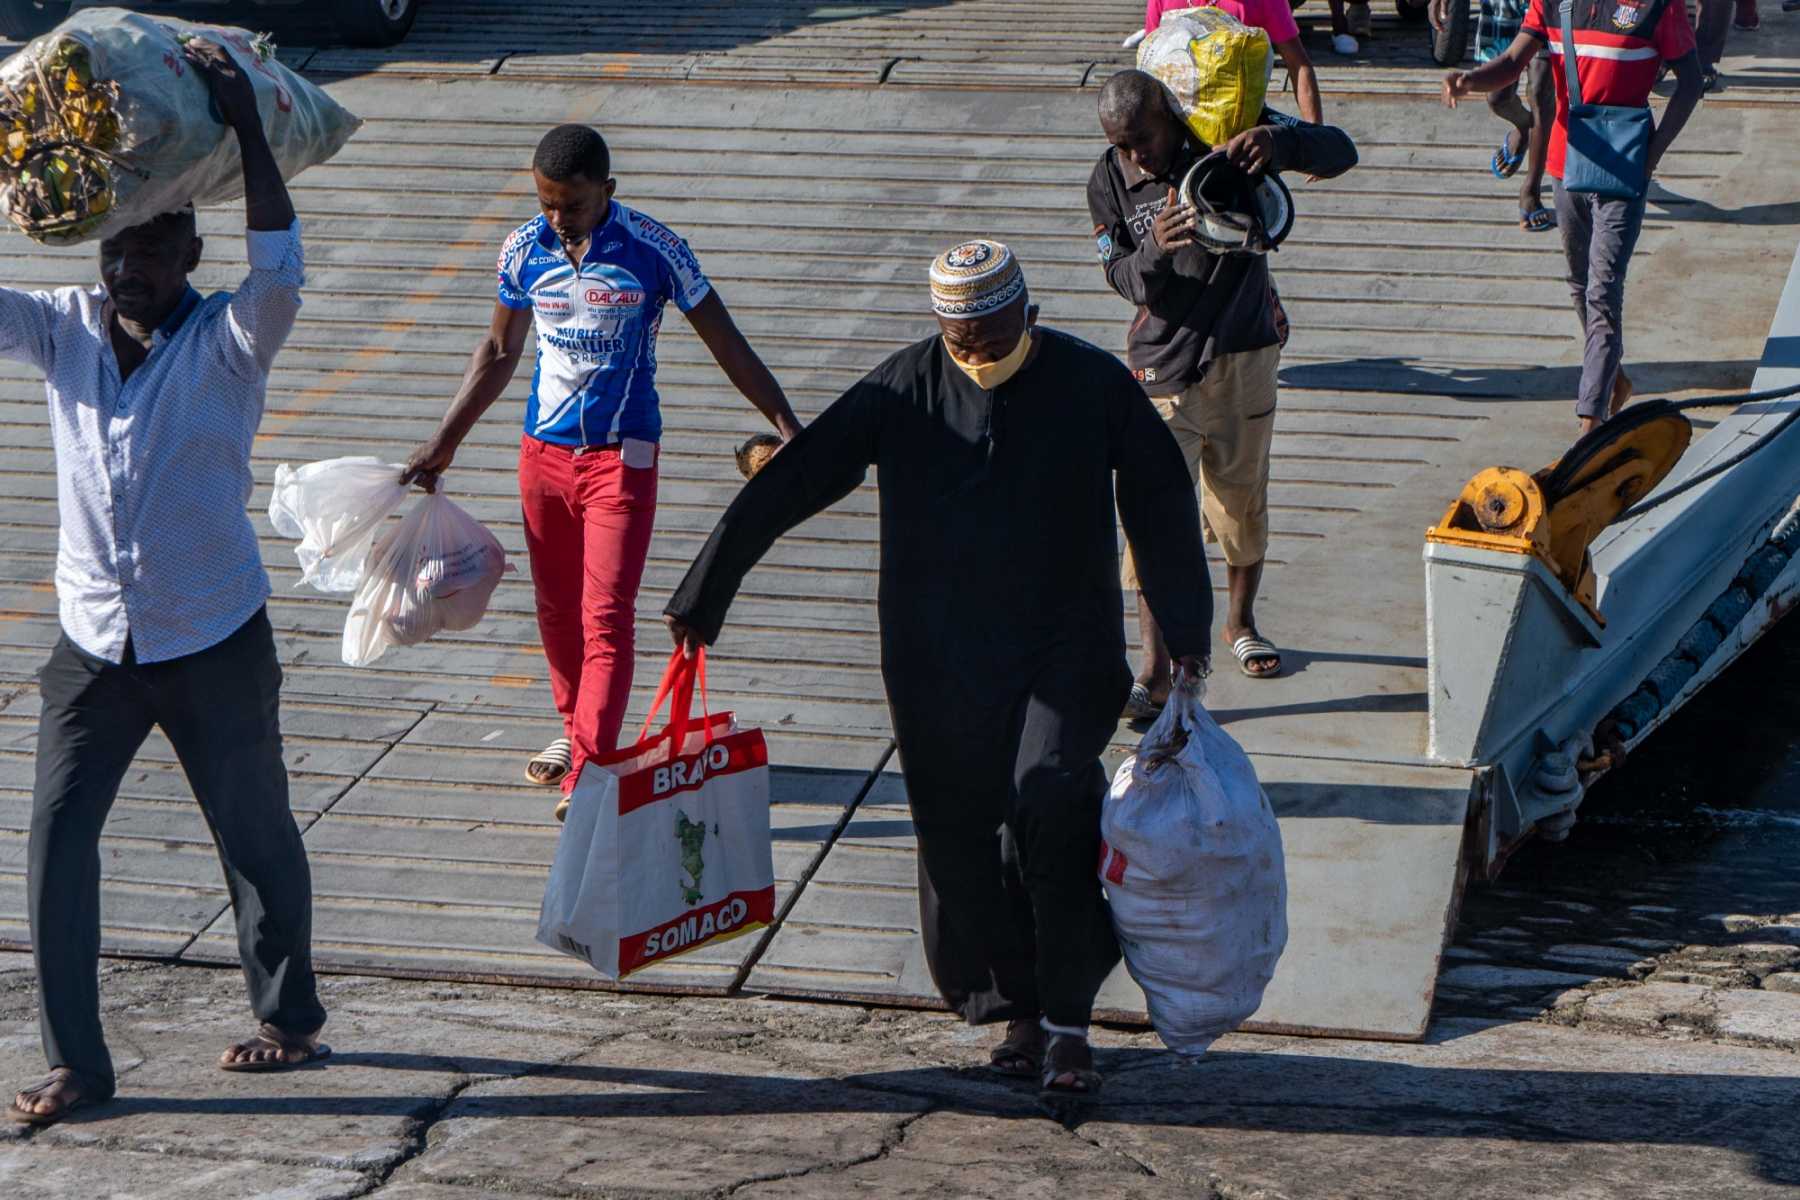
(975, 279)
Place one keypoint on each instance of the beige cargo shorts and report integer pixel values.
(1224, 425)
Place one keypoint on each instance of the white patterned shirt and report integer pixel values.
(153, 476)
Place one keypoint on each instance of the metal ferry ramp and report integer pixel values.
(816, 157)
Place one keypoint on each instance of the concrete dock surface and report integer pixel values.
(816, 173)
(434, 1091)
(816, 158)
(1608, 1027)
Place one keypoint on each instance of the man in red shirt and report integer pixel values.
(1620, 46)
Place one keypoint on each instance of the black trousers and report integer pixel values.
(1006, 800)
(220, 708)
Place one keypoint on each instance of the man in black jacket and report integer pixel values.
(1206, 342)
(1000, 447)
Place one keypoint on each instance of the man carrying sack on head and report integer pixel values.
(1000, 446)
(155, 396)
(1603, 152)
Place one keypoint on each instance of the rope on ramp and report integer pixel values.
(1720, 468)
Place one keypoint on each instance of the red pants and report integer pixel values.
(588, 519)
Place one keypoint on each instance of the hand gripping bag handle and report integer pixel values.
(679, 679)
(1175, 724)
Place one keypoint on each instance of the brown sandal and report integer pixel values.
(1021, 1054)
(1072, 1056)
(58, 1076)
(269, 1037)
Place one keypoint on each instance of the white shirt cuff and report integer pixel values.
(270, 248)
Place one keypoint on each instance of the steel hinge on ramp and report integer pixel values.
(1374, 862)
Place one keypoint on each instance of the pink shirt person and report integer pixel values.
(1273, 17)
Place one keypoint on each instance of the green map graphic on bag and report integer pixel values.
(668, 846)
(691, 835)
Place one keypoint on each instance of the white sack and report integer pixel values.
(1193, 869)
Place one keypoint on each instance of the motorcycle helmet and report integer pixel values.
(1236, 213)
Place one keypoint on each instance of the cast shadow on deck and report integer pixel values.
(1266, 1092)
(1480, 384)
(1668, 205)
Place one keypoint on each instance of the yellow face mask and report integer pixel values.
(989, 376)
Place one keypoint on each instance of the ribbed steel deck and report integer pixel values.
(816, 159)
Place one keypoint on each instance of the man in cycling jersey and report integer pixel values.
(593, 277)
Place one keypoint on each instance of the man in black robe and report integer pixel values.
(1001, 447)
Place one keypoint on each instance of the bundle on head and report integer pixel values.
(61, 127)
(755, 454)
(104, 125)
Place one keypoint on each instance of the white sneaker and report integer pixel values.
(1131, 42)
(1343, 43)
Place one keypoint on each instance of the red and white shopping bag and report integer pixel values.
(666, 844)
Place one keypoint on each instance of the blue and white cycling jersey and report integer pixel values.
(595, 382)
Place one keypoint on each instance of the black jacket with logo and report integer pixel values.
(1193, 305)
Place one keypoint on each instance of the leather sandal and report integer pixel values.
(1071, 1056)
(1021, 1054)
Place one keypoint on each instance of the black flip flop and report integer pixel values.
(38, 1120)
(276, 1039)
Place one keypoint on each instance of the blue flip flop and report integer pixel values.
(1505, 165)
(1537, 220)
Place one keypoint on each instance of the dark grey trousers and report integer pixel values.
(1598, 237)
(220, 709)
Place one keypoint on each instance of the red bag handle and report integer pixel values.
(679, 679)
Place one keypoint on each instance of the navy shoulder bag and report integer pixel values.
(1609, 144)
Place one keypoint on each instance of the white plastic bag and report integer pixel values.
(1193, 870)
(336, 507)
(169, 149)
(434, 570)
(667, 846)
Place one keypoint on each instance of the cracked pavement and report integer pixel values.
(454, 1092)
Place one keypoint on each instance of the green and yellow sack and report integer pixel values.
(1216, 67)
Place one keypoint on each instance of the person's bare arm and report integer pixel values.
(267, 206)
(1690, 84)
(1306, 80)
(1498, 72)
(741, 364)
(490, 369)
